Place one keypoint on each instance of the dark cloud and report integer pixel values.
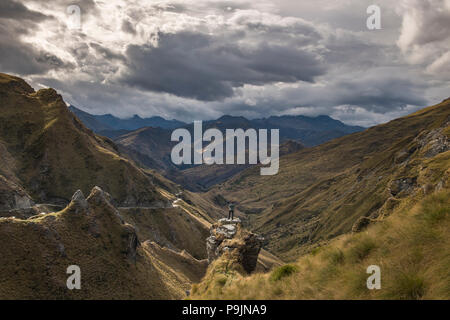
(372, 92)
(14, 10)
(13, 55)
(16, 56)
(20, 58)
(207, 68)
(379, 93)
(86, 6)
(105, 52)
(128, 27)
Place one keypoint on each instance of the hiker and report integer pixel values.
(231, 211)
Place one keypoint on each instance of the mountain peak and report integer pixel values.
(14, 84)
(230, 117)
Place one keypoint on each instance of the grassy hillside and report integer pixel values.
(46, 154)
(325, 191)
(35, 254)
(51, 153)
(149, 146)
(411, 247)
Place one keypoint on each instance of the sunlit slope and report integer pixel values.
(170, 227)
(53, 154)
(322, 192)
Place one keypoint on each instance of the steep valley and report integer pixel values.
(133, 237)
(48, 154)
(141, 235)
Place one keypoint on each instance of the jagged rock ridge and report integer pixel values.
(92, 234)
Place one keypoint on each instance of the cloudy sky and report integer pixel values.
(200, 59)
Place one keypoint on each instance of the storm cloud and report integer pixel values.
(205, 67)
(16, 55)
(425, 34)
(202, 59)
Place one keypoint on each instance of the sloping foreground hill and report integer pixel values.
(325, 191)
(115, 261)
(47, 153)
(35, 255)
(411, 248)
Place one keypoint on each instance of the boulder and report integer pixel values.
(403, 186)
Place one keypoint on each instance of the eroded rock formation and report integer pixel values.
(228, 237)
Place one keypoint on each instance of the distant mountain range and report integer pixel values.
(310, 131)
(112, 126)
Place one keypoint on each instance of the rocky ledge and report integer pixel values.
(229, 238)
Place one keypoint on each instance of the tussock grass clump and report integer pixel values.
(435, 208)
(407, 286)
(335, 256)
(361, 249)
(282, 272)
(221, 280)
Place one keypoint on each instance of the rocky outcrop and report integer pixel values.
(91, 234)
(427, 144)
(79, 202)
(99, 208)
(362, 223)
(130, 241)
(13, 196)
(102, 199)
(403, 186)
(230, 239)
(434, 142)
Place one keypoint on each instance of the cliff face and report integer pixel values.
(230, 240)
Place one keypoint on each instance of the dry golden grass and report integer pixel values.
(173, 228)
(411, 247)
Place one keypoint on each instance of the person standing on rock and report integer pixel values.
(231, 211)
